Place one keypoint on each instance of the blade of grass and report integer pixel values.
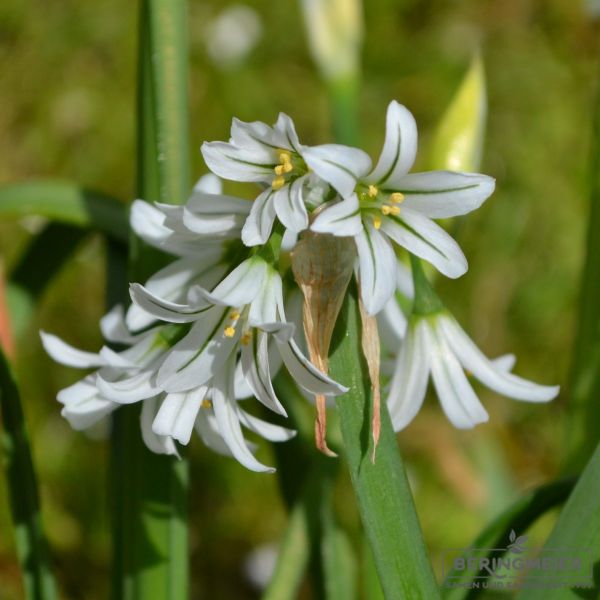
(23, 492)
(382, 490)
(520, 516)
(583, 424)
(67, 203)
(150, 491)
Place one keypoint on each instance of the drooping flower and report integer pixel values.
(126, 377)
(244, 313)
(387, 204)
(436, 344)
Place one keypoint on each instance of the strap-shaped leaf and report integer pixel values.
(67, 203)
(23, 492)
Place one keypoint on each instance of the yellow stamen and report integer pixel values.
(395, 210)
(377, 222)
(229, 331)
(206, 404)
(246, 338)
(235, 315)
(279, 169)
(373, 191)
(287, 167)
(278, 182)
(397, 197)
(285, 157)
(386, 210)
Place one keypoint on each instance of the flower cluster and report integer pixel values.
(211, 329)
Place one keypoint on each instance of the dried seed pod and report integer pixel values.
(322, 265)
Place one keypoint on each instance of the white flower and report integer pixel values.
(436, 344)
(212, 409)
(242, 314)
(386, 204)
(272, 156)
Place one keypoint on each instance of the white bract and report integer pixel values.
(387, 204)
(436, 345)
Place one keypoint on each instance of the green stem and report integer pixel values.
(150, 491)
(23, 492)
(384, 497)
(343, 97)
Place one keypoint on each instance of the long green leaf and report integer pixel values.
(577, 535)
(518, 517)
(382, 490)
(23, 492)
(150, 491)
(67, 203)
(584, 389)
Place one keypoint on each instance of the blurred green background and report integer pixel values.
(68, 99)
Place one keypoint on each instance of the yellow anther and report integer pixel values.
(278, 182)
(287, 167)
(206, 404)
(386, 210)
(279, 169)
(377, 222)
(285, 157)
(397, 197)
(229, 331)
(235, 315)
(395, 210)
(246, 338)
(373, 191)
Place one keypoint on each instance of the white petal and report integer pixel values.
(461, 405)
(340, 166)
(200, 354)
(392, 324)
(489, 374)
(163, 309)
(155, 443)
(225, 407)
(304, 373)
(268, 431)
(286, 136)
(210, 184)
(67, 355)
(263, 308)
(127, 390)
(147, 222)
(290, 239)
(240, 386)
(255, 136)
(341, 219)
(404, 281)
(243, 284)
(214, 214)
(177, 414)
(441, 194)
(87, 412)
(79, 391)
(424, 238)
(208, 430)
(409, 382)
(114, 327)
(255, 365)
(400, 146)
(377, 263)
(505, 363)
(238, 164)
(289, 205)
(259, 223)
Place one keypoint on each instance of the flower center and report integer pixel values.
(375, 203)
(290, 164)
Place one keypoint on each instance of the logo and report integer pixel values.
(517, 566)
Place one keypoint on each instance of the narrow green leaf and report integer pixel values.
(458, 140)
(67, 203)
(23, 492)
(584, 387)
(577, 534)
(518, 517)
(382, 490)
(150, 491)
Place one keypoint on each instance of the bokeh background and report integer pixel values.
(67, 87)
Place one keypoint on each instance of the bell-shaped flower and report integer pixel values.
(129, 376)
(436, 345)
(388, 205)
(243, 314)
(272, 156)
